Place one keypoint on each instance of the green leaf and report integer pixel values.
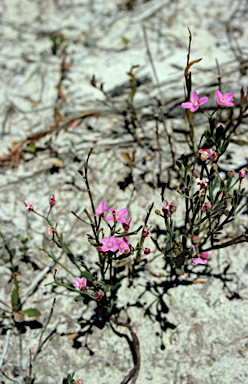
(24, 240)
(14, 297)
(219, 132)
(239, 142)
(107, 288)
(177, 233)
(228, 184)
(87, 275)
(12, 253)
(30, 312)
(240, 209)
(69, 379)
(79, 298)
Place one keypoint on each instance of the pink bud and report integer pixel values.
(95, 283)
(242, 173)
(98, 296)
(147, 251)
(52, 201)
(214, 166)
(126, 223)
(230, 174)
(204, 154)
(204, 255)
(195, 239)
(146, 231)
(99, 249)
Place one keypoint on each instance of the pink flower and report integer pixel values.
(29, 205)
(166, 206)
(242, 173)
(202, 259)
(213, 154)
(109, 244)
(204, 154)
(122, 245)
(50, 230)
(98, 296)
(100, 209)
(52, 201)
(80, 283)
(224, 100)
(205, 206)
(194, 251)
(126, 223)
(146, 231)
(119, 216)
(194, 102)
(201, 184)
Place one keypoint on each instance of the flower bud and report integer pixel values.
(195, 239)
(157, 211)
(230, 174)
(173, 209)
(204, 154)
(214, 166)
(98, 296)
(242, 173)
(204, 255)
(52, 201)
(95, 283)
(147, 251)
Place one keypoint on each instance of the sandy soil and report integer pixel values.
(189, 333)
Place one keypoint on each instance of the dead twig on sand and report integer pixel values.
(135, 349)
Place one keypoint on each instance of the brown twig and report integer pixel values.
(41, 343)
(135, 349)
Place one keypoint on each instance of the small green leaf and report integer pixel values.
(12, 253)
(24, 240)
(177, 233)
(14, 297)
(87, 275)
(107, 288)
(228, 184)
(79, 298)
(30, 312)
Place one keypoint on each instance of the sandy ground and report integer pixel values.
(195, 333)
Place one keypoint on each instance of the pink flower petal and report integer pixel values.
(228, 96)
(199, 261)
(203, 100)
(186, 105)
(218, 94)
(194, 97)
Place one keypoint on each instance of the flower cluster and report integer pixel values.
(206, 154)
(112, 244)
(168, 208)
(195, 102)
(81, 285)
